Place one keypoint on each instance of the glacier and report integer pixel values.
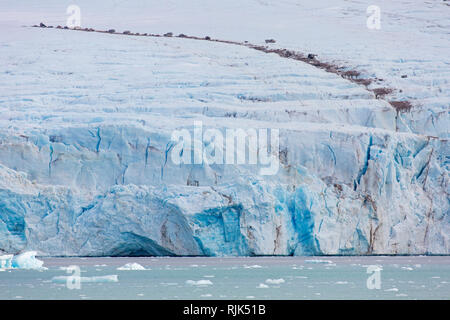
(85, 139)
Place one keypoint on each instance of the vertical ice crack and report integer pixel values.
(123, 173)
(147, 151)
(169, 147)
(99, 140)
(363, 169)
(50, 161)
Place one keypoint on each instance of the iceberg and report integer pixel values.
(275, 281)
(255, 266)
(27, 260)
(131, 266)
(6, 261)
(199, 282)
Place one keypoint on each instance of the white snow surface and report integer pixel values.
(86, 121)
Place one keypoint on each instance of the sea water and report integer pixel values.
(368, 277)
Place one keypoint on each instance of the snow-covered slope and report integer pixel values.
(86, 121)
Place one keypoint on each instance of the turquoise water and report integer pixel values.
(235, 278)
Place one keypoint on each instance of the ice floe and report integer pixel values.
(199, 282)
(132, 266)
(94, 279)
(275, 281)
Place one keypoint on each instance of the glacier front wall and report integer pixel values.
(101, 190)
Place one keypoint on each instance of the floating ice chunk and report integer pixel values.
(169, 283)
(61, 279)
(401, 295)
(6, 261)
(374, 267)
(131, 266)
(275, 281)
(97, 279)
(341, 282)
(319, 261)
(250, 297)
(407, 268)
(27, 260)
(262, 286)
(199, 283)
(255, 266)
(101, 279)
(392, 289)
(207, 295)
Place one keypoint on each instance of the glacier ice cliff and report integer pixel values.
(85, 142)
(336, 193)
